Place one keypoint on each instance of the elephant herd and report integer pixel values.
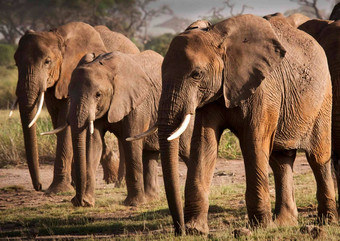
(272, 81)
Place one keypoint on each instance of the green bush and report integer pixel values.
(7, 54)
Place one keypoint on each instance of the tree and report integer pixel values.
(309, 8)
(130, 17)
(160, 44)
(216, 14)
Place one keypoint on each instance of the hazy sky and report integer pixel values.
(194, 9)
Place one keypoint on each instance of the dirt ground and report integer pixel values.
(226, 172)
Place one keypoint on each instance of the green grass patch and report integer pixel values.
(8, 82)
(229, 146)
(152, 220)
(12, 149)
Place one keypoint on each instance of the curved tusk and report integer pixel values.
(91, 127)
(181, 129)
(14, 105)
(144, 134)
(39, 110)
(55, 131)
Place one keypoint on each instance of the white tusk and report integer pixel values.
(14, 105)
(39, 110)
(55, 131)
(181, 129)
(144, 134)
(91, 127)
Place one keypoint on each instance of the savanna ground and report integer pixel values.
(25, 213)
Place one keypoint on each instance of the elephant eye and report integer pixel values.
(196, 74)
(47, 61)
(98, 95)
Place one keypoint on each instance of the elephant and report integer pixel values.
(326, 32)
(45, 62)
(269, 83)
(119, 93)
(335, 14)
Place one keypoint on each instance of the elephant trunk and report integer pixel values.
(169, 157)
(170, 115)
(31, 146)
(79, 156)
(28, 99)
(79, 117)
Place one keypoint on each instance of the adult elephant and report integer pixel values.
(327, 33)
(45, 61)
(119, 93)
(269, 84)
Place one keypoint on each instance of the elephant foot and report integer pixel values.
(260, 220)
(59, 186)
(82, 202)
(328, 218)
(287, 216)
(110, 163)
(285, 220)
(151, 194)
(134, 201)
(197, 227)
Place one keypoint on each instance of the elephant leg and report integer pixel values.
(281, 163)
(150, 174)
(321, 166)
(94, 153)
(64, 153)
(336, 165)
(121, 169)
(256, 153)
(110, 163)
(201, 166)
(133, 152)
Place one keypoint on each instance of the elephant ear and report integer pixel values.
(76, 39)
(131, 85)
(251, 51)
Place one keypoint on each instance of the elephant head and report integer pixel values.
(224, 62)
(109, 86)
(45, 62)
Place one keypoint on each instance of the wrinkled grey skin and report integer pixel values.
(120, 93)
(45, 62)
(269, 84)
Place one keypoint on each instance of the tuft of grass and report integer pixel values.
(229, 146)
(8, 82)
(12, 149)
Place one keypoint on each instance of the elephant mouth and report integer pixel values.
(177, 133)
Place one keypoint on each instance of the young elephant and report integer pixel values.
(119, 93)
(267, 82)
(45, 62)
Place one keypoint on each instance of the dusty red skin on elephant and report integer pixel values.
(45, 62)
(120, 93)
(272, 89)
(327, 32)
